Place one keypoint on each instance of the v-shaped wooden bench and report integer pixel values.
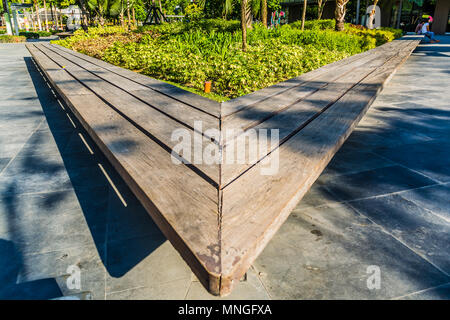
(219, 216)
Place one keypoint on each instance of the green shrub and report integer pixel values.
(35, 35)
(194, 12)
(380, 36)
(398, 33)
(187, 54)
(207, 25)
(315, 24)
(44, 34)
(12, 39)
(29, 35)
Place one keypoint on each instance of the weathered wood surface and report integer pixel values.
(219, 216)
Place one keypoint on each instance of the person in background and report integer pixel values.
(426, 30)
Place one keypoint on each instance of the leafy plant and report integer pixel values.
(188, 54)
(12, 39)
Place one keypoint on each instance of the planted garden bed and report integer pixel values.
(188, 54)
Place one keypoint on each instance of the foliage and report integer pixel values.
(398, 33)
(97, 40)
(194, 12)
(190, 53)
(12, 39)
(206, 25)
(29, 35)
(380, 36)
(316, 24)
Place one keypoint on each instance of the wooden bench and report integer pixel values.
(219, 216)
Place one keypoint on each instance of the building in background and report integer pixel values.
(403, 14)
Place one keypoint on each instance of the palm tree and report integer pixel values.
(38, 15)
(45, 15)
(244, 24)
(84, 13)
(100, 7)
(264, 12)
(320, 6)
(304, 14)
(339, 14)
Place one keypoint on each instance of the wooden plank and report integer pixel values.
(299, 114)
(183, 205)
(174, 108)
(207, 105)
(219, 232)
(57, 74)
(152, 121)
(235, 105)
(247, 226)
(258, 112)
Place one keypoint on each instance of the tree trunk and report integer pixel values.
(248, 15)
(57, 20)
(134, 16)
(264, 13)
(320, 6)
(85, 15)
(122, 23)
(55, 16)
(38, 15)
(45, 15)
(244, 24)
(101, 15)
(32, 19)
(339, 14)
(128, 14)
(52, 15)
(7, 16)
(304, 14)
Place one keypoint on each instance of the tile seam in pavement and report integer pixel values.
(429, 210)
(405, 167)
(150, 287)
(262, 282)
(23, 146)
(383, 229)
(41, 192)
(380, 196)
(421, 291)
(371, 197)
(188, 289)
(37, 253)
(105, 248)
(335, 175)
(124, 290)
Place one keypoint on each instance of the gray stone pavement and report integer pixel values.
(382, 201)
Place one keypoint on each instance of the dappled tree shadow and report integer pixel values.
(109, 220)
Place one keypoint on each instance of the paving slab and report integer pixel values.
(422, 231)
(382, 201)
(325, 252)
(435, 199)
(439, 293)
(429, 158)
(382, 181)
